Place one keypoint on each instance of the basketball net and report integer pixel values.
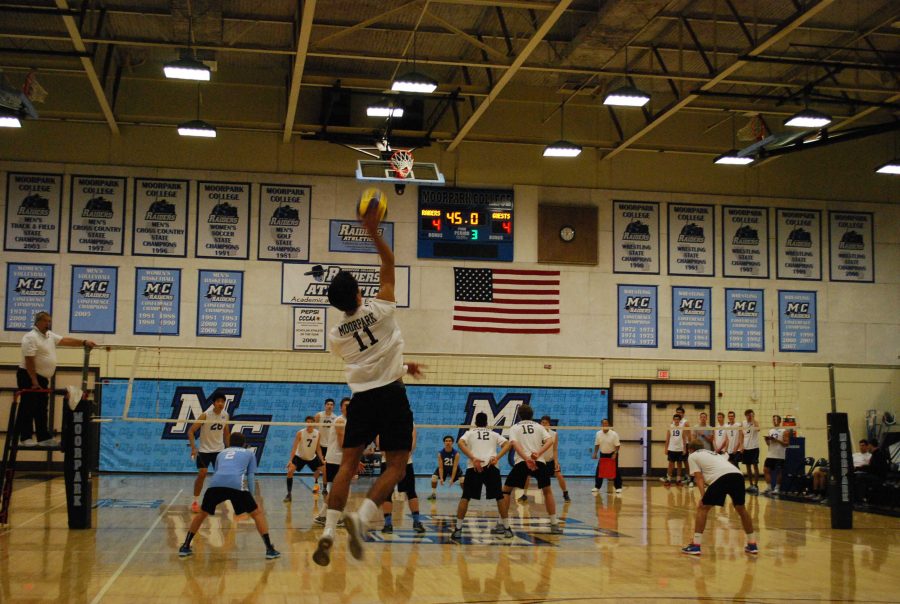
(402, 163)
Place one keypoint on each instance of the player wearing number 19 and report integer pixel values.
(368, 339)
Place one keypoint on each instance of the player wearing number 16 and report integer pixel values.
(368, 339)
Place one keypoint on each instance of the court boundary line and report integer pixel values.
(114, 577)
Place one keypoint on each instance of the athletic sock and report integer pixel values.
(388, 519)
(415, 516)
(505, 522)
(331, 519)
(188, 538)
(266, 540)
(553, 519)
(698, 537)
(368, 511)
(459, 522)
(751, 537)
(290, 485)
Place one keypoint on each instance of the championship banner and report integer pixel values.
(160, 217)
(97, 215)
(157, 447)
(157, 301)
(307, 283)
(745, 327)
(745, 242)
(798, 244)
(636, 237)
(220, 303)
(797, 321)
(692, 317)
(284, 222)
(350, 236)
(33, 204)
(851, 250)
(310, 327)
(637, 316)
(691, 240)
(29, 290)
(93, 299)
(223, 220)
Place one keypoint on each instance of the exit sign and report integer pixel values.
(662, 374)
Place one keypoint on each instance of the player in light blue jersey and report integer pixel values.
(232, 466)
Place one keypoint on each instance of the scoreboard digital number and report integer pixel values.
(466, 224)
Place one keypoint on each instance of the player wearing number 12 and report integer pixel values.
(369, 341)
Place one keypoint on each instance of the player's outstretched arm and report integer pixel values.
(386, 277)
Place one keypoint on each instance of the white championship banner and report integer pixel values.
(223, 220)
(284, 222)
(33, 204)
(798, 244)
(307, 283)
(636, 237)
(692, 236)
(745, 242)
(160, 217)
(97, 215)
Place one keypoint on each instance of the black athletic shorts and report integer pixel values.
(520, 471)
(489, 477)
(550, 469)
(407, 484)
(241, 501)
(313, 463)
(773, 464)
(750, 457)
(447, 476)
(382, 412)
(731, 485)
(735, 458)
(204, 460)
(676, 455)
(331, 470)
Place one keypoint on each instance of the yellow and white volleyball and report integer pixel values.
(372, 200)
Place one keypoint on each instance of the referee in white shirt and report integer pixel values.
(35, 372)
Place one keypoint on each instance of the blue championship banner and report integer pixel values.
(223, 220)
(350, 236)
(851, 250)
(157, 447)
(745, 242)
(745, 327)
(93, 305)
(29, 289)
(637, 316)
(797, 321)
(636, 237)
(160, 217)
(692, 236)
(220, 303)
(33, 204)
(97, 215)
(157, 301)
(692, 317)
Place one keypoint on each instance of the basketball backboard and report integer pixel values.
(422, 173)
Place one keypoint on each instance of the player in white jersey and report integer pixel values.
(687, 435)
(675, 450)
(716, 479)
(369, 341)
(735, 440)
(777, 439)
(334, 457)
(305, 451)
(324, 419)
(214, 435)
(750, 454)
(703, 431)
(530, 440)
(480, 446)
(720, 434)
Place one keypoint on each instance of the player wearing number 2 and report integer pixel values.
(369, 341)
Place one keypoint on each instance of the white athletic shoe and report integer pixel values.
(618, 491)
(594, 491)
(28, 442)
(50, 442)
(355, 534)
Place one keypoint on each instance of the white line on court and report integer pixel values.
(33, 518)
(134, 550)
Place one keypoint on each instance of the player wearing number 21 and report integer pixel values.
(369, 341)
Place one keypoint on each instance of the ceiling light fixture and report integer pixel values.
(413, 81)
(733, 158)
(384, 109)
(808, 118)
(197, 128)
(892, 167)
(10, 121)
(562, 147)
(627, 96)
(187, 69)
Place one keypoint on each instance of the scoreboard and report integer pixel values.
(465, 224)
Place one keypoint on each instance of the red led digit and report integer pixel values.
(436, 223)
(507, 226)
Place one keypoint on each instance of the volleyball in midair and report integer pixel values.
(372, 200)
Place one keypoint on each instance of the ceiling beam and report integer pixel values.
(764, 44)
(508, 75)
(88, 65)
(306, 23)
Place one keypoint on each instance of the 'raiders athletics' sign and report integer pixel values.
(223, 220)
(160, 217)
(32, 212)
(97, 215)
(636, 237)
(284, 222)
(692, 236)
(745, 242)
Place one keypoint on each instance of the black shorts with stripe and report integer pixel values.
(241, 501)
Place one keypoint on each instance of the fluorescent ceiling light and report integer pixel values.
(562, 149)
(384, 110)
(627, 96)
(892, 167)
(187, 69)
(414, 82)
(197, 128)
(731, 158)
(10, 121)
(808, 118)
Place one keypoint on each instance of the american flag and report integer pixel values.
(506, 301)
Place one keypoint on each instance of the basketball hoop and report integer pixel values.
(402, 163)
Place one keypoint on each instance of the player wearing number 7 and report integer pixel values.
(369, 341)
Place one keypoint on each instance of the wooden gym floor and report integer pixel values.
(614, 548)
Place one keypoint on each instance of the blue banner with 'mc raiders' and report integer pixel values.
(350, 236)
(157, 301)
(29, 290)
(163, 447)
(220, 303)
(745, 327)
(797, 321)
(637, 316)
(93, 307)
(692, 317)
